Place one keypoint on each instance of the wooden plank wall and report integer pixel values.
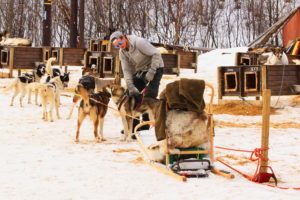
(280, 78)
(25, 57)
(73, 56)
(171, 63)
(188, 60)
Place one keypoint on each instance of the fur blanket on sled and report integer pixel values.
(185, 94)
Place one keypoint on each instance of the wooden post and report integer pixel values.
(219, 84)
(61, 54)
(178, 65)
(263, 78)
(11, 61)
(265, 128)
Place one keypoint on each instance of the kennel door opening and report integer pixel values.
(251, 82)
(231, 81)
(108, 65)
(94, 60)
(46, 55)
(4, 57)
(245, 61)
(104, 47)
(55, 54)
(95, 47)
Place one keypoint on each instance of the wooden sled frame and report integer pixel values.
(164, 168)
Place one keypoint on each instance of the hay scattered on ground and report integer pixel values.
(258, 124)
(241, 108)
(125, 150)
(138, 160)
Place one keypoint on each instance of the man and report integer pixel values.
(141, 62)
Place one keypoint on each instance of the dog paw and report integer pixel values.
(76, 140)
(129, 139)
(123, 139)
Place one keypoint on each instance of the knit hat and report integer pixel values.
(115, 35)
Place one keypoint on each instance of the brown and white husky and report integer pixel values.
(93, 105)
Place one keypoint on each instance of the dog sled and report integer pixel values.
(187, 162)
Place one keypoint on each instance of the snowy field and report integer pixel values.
(40, 160)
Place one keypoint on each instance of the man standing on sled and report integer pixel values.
(142, 65)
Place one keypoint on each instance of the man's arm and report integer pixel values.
(128, 73)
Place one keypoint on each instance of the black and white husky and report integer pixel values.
(50, 94)
(20, 84)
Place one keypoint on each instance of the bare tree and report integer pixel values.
(73, 23)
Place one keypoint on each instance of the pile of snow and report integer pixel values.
(208, 62)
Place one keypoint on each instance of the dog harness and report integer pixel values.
(26, 78)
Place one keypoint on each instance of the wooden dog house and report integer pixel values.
(247, 81)
(91, 58)
(248, 58)
(20, 58)
(230, 81)
(109, 64)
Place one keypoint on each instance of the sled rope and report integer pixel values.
(258, 157)
(99, 102)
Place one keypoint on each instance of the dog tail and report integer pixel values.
(82, 92)
(11, 85)
(49, 66)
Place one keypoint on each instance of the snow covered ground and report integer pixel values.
(39, 160)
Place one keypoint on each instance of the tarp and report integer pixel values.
(291, 30)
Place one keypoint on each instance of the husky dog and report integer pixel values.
(94, 106)
(6, 41)
(91, 84)
(21, 83)
(185, 128)
(130, 108)
(50, 94)
(50, 72)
